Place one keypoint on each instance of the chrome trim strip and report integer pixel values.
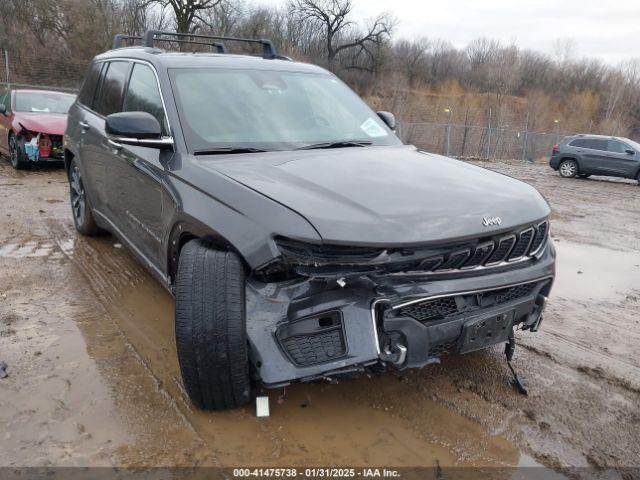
(376, 339)
(468, 292)
(160, 142)
(533, 235)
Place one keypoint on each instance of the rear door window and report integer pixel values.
(88, 90)
(143, 94)
(595, 144)
(112, 88)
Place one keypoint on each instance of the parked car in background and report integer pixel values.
(32, 124)
(586, 155)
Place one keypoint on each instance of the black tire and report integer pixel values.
(17, 157)
(80, 204)
(568, 168)
(211, 336)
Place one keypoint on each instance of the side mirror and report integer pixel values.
(630, 151)
(388, 118)
(3, 109)
(136, 128)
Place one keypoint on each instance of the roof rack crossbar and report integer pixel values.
(219, 46)
(268, 50)
(120, 39)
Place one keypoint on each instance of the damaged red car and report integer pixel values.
(32, 124)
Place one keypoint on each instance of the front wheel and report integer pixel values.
(80, 205)
(568, 169)
(17, 156)
(211, 333)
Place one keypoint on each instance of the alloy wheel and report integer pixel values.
(13, 151)
(78, 200)
(568, 169)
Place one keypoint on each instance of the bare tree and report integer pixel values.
(411, 57)
(340, 33)
(186, 12)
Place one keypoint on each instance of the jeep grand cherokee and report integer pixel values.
(301, 239)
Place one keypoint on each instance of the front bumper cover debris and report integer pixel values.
(314, 327)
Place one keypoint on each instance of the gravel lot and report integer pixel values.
(94, 379)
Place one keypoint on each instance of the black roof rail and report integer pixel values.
(120, 39)
(268, 50)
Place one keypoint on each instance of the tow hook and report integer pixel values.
(396, 354)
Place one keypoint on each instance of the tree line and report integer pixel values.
(420, 79)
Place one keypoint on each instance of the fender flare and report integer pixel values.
(188, 228)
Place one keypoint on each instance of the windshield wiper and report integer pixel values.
(342, 144)
(228, 150)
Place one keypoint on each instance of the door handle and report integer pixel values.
(84, 125)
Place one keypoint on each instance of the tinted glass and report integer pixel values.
(5, 99)
(595, 144)
(143, 94)
(43, 102)
(271, 110)
(89, 86)
(616, 146)
(111, 89)
(579, 143)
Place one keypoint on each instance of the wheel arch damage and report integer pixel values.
(247, 228)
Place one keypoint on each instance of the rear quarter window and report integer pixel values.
(580, 143)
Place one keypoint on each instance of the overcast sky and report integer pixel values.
(608, 30)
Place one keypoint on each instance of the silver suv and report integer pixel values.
(586, 155)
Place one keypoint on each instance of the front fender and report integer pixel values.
(229, 213)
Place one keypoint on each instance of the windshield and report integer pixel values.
(271, 110)
(44, 102)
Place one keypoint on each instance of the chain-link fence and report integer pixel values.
(473, 141)
(33, 72)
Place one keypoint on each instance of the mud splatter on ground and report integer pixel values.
(94, 380)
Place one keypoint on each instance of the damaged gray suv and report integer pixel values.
(301, 239)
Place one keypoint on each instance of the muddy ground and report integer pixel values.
(93, 377)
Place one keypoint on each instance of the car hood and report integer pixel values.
(50, 123)
(386, 195)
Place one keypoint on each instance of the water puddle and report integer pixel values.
(360, 421)
(587, 272)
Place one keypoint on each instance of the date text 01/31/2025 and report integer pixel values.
(316, 472)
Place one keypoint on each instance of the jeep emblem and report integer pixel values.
(491, 221)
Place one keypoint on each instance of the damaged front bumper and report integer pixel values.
(309, 328)
(42, 147)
